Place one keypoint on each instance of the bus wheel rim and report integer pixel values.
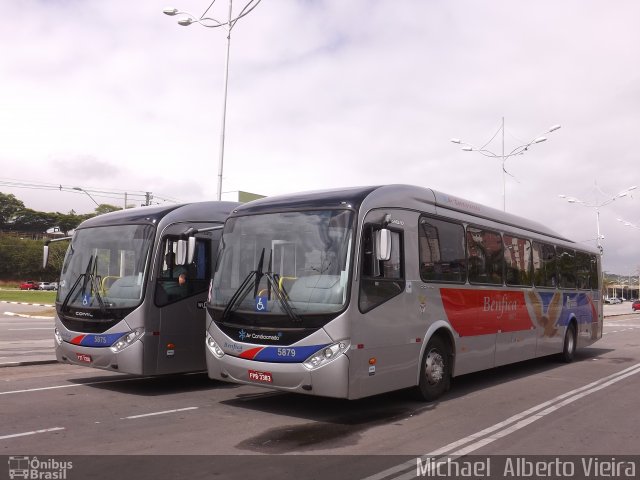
(434, 368)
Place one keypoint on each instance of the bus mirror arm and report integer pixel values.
(45, 249)
(190, 236)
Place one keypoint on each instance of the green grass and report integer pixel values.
(28, 296)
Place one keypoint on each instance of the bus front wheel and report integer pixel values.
(435, 370)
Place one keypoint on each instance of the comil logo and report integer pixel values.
(38, 469)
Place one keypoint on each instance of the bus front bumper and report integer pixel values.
(330, 380)
(128, 360)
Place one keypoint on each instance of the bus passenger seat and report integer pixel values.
(317, 289)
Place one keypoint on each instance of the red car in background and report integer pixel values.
(29, 285)
(635, 305)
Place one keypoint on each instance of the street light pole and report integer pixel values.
(211, 22)
(224, 102)
(597, 206)
(519, 150)
(632, 225)
(89, 195)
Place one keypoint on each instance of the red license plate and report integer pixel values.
(264, 377)
(83, 358)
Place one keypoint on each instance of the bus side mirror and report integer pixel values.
(45, 256)
(191, 249)
(181, 252)
(383, 244)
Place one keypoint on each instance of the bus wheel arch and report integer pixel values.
(569, 344)
(436, 366)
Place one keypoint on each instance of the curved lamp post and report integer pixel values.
(88, 194)
(597, 206)
(519, 150)
(211, 22)
(632, 225)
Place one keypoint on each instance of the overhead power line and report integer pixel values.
(135, 196)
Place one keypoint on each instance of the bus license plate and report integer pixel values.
(260, 376)
(83, 358)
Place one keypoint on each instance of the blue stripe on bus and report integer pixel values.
(287, 354)
(97, 340)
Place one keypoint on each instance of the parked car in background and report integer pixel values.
(29, 285)
(47, 286)
(612, 300)
(635, 305)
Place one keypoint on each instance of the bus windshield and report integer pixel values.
(105, 267)
(283, 264)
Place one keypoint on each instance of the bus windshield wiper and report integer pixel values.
(281, 297)
(243, 289)
(272, 285)
(88, 277)
(272, 282)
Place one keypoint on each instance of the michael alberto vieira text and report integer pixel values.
(517, 467)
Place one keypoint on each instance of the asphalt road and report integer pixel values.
(538, 407)
(25, 339)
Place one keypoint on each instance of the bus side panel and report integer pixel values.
(554, 311)
(384, 354)
(476, 337)
(181, 342)
(517, 334)
(390, 334)
(598, 320)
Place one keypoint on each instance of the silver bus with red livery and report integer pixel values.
(359, 291)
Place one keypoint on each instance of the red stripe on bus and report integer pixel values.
(78, 340)
(250, 354)
(483, 312)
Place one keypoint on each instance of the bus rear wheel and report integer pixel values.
(435, 370)
(569, 348)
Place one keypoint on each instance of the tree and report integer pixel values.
(69, 221)
(9, 207)
(27, 220)
(106, 208)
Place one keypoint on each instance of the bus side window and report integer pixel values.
(517, 259)
(380, 280)
(176, 282)
(442, 251)
(544, 265)
(486, 257)
(567, 267)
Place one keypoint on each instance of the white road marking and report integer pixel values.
(159, 413)
(506, 427)
(4, 437)
(33, 328)
(54, 387)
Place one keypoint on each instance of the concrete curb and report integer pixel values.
(22, 315)
(27, 363)
(25, 303)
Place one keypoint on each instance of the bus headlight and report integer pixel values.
(214, 347)
(57, 336)
(326, 355)
(127, 339)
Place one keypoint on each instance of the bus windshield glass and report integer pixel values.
(105, 267)
(284, 264)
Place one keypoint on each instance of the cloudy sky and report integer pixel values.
(115, 96)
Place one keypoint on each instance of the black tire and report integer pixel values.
(569, 347)
(435, 370)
